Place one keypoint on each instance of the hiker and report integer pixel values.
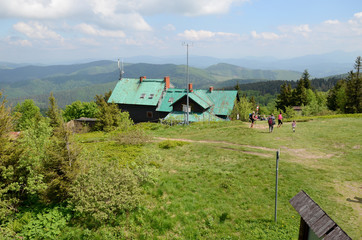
(294, 124)
(252, 119)
(280, 119)
(271, 123)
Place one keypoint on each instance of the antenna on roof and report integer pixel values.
(120, 67)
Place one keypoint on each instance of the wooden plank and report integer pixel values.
(312, 213)
(323, 225)
(337, 234)
(313, 217)
(303, 204)
(298, 200)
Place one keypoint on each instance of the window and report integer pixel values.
(143, 95)
(149, 114)
(170, 100)
(151, 96)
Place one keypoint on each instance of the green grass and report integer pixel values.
(221, 185)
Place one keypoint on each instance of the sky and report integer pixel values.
(55, 31)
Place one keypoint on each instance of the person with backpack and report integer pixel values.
(252, 119)
(280, 119)
(271, 123)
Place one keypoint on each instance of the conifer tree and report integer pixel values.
(54, 112)
(284, 99)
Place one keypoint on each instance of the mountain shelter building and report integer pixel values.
(149, 100)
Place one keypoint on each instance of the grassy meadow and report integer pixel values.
(217, 180)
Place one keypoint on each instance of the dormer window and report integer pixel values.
(143, 95)
(151, 96)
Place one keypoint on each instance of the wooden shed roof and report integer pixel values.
(321, 224)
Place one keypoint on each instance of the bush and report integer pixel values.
(104, 191)
(132, 137)
(171, 144)
(45, 224)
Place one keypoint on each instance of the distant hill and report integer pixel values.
(318, 65)
(84, 81)
(223, 69)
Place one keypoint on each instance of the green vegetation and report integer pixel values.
(203, 181)
(209, 180)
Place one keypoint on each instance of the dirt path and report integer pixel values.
(299, 155)
(226, 143)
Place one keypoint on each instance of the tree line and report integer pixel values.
(341, 94)
(344, 97)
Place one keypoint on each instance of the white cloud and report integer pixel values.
(115, 14)
(92, 30)
(38, 9)
(358, 15)
(332, 22)
(186, 7)
(18, 42)
(89, 42)
(265, 35)
(303, 29)
(205, 35)
(169, 27)
(36, 30)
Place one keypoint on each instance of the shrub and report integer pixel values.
(171, 144)
(132, 137)
(104, 191)
(46, 224)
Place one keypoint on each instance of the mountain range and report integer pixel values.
(83, 81)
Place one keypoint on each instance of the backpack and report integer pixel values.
(270, 121)
(250, 116)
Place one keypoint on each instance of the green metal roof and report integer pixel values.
(223, 100)
(132, 91)
(193, 117)
(220, 102)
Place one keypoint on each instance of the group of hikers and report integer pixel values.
(271, 121)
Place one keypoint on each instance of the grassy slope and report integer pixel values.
(225, 189)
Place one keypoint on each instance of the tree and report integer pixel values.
(243, 108)
(26, 113)
(110, 116)
(357, 66)
(54, 113)
(284, 99)
(8, 201)
(354, 92)
(305, 80)
(299, 94)
(253, 102)
(337, 98)
(80, 109)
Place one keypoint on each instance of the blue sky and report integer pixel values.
(51, 31)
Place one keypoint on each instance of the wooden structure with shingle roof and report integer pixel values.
(315, 223)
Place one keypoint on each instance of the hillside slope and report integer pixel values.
(72, 82)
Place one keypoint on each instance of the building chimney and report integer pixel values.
(167, 82)
(142, 78)
(190, 87)
(211, 88)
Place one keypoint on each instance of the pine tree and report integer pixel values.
(284, 99)
(337, 97)
(305, 80)
(54, 112)
(299, 94)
